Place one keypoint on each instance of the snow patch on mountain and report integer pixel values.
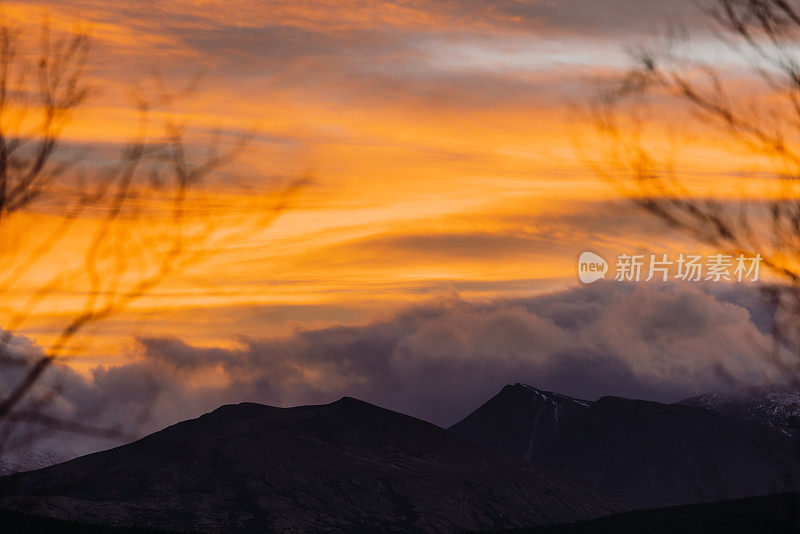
(776, 409)
(557, 397)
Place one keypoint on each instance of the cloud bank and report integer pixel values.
(440, 360)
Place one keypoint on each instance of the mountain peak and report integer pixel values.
(519, 416)
(350, 401)
(243, 406)
(545, 395)
(608, 444)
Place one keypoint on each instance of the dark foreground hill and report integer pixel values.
(19, 523)
(644, 453)
(345, 466)
(770, 514)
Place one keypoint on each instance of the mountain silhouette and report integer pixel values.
(341, 467)
(645, 454)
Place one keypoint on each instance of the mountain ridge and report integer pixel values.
(644, 453)
(776, 409)
(339, 467)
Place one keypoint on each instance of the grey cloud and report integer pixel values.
(439, 361)
(585, 17)
(395, 61)
(599, 18)
(389, 58)
(562, 235)
(459, 245)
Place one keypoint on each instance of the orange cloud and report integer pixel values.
(439, 136)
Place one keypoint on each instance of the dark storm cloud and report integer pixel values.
(438, 361)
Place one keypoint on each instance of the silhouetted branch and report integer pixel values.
(150, 221)
(766, 34)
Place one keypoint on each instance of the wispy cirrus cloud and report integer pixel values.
(438, 135)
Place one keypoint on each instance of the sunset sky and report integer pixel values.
(446, 154)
